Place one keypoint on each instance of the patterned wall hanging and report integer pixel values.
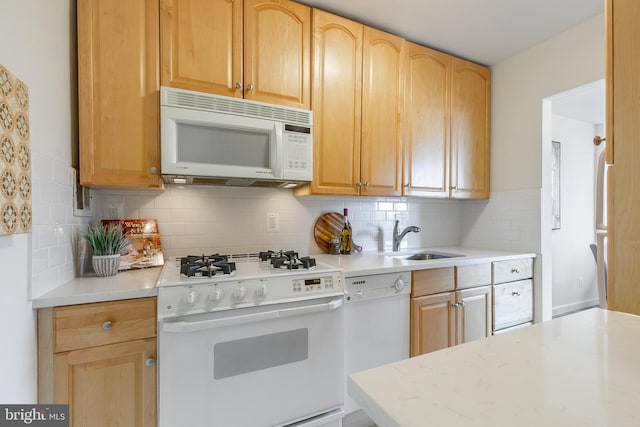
(15, 155)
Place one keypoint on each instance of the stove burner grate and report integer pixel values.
(287, 260)
(206, 265)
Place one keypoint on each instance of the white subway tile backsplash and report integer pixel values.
(202, 219)
(54, 226)
(385, 206)
(508, 220)
(56, 257)
(39, 260)
(47, 236)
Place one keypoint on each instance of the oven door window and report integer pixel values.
(246, 355)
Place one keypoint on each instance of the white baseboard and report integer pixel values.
(561, 310)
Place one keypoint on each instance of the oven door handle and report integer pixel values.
(183, 326)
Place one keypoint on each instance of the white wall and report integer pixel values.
(574, 269)
(37, 48)
(519, 85)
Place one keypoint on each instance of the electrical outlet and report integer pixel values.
(580, 282)
(113, 210)
(273, 222)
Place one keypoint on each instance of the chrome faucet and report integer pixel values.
(397, 238)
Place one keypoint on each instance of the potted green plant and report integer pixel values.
(105, 242)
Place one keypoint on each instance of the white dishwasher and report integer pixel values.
(377, 329)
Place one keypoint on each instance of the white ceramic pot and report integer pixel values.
(106, 265)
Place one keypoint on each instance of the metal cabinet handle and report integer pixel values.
(515, 293)
(358, 185)
(107, 325)
(515, 270)
(238, 85)
(150, 362)
(250, 87)
(153, 170)
(366, 184)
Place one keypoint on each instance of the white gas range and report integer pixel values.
(250, 341)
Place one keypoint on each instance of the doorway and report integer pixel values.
(571, 120)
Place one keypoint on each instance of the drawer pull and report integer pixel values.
(515, 293)
(150, 362)
(107, 325)
(515, 270)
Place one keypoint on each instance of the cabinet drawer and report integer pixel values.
(469, 276)
(427, 282)
(512, 304)
(102, 323)
(512, 270)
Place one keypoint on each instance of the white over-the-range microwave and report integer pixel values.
(212, 139)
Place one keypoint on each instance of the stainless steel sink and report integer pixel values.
(421, 255)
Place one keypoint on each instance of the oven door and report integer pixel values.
(251, 367)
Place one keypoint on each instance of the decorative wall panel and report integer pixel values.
(15, 155)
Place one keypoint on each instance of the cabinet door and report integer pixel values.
(432, 323)
(623, 197)
(427, 122)
(470, 119)
(473, 314)
(118, 43)
(337, 96)
(202, 45)
(111, 385)
(277, 52)
(382, 93)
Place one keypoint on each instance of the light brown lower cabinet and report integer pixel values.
(100, 359)
(444, 319)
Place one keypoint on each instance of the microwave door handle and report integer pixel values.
(276, 149)
(183, 326)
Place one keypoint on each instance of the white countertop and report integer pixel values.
(124, 285)
(368, 263)
(142, 283)
(578, 370)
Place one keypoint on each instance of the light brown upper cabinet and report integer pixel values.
(427, 122)
(118, 45)
(446, 126)
(357, 98)
(470, 120)
(382, 95)
(256, 49)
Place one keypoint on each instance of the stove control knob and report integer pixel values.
(399, 284)
(262, 291)
(216, 295)
(240, 293)
(191, 298)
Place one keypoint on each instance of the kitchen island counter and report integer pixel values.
(578, 370)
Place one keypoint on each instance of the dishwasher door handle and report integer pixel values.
(184, 326)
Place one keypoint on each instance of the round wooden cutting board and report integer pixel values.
(327, 227)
